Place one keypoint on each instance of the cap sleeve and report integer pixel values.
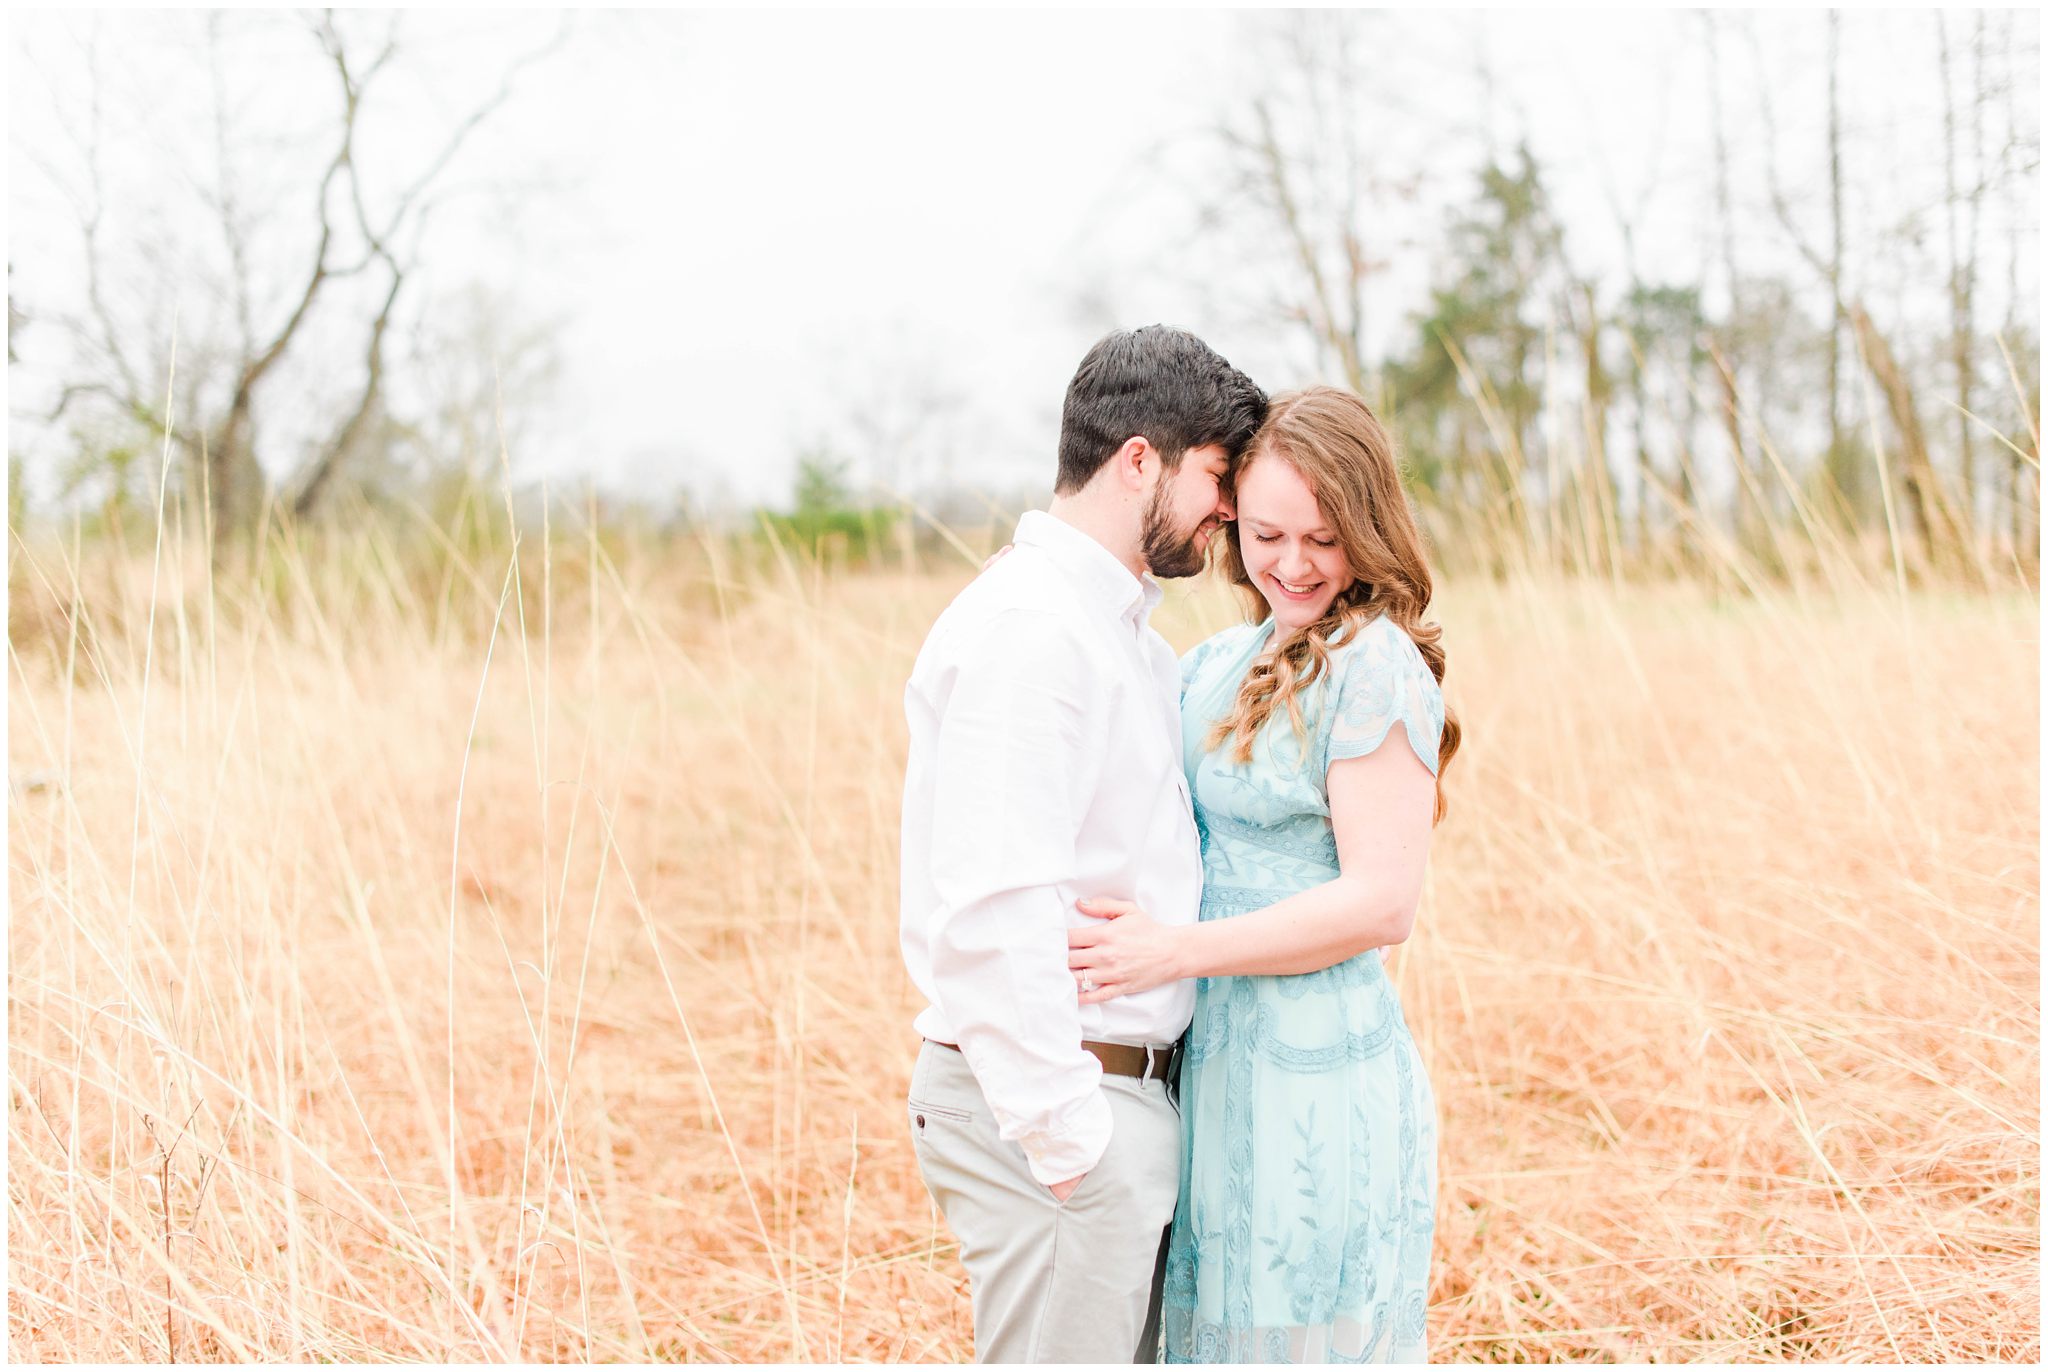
(1382, 681)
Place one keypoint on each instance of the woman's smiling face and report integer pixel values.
(1289, 551)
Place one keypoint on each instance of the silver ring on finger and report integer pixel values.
(1087, 983)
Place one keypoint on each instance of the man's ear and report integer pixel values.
(1132, 460)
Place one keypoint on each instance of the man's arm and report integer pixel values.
(1381, 808)
(1013, 735)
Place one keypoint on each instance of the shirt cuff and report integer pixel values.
(1057, 1155)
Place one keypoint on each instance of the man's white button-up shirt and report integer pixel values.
(1045, 767)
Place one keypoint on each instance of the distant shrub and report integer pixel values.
(827, 520)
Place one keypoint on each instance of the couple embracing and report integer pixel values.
(1166, 1093)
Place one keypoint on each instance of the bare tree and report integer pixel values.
(485, 373)
(1827, 265)
(1721, 345)
(2019, 163)
(1962, 247)
(1838, 318)
(1941, 537)
(1635, 321)
(360, 232)
(1308, 158)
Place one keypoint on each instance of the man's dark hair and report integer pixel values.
(1159, 383)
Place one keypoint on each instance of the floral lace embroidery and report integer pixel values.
(1306, 1212)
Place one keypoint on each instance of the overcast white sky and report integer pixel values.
(741, 229)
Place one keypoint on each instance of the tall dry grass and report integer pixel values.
(461, 957)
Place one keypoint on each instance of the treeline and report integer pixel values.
(1814, 384)
(1817, 386)
(1603, 427)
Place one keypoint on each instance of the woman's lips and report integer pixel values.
(1309, 594)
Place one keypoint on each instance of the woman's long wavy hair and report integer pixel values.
(1333, 439)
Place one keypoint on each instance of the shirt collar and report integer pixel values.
(1108, 583)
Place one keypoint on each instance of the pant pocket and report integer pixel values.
(1096, 1182)
(1109, 1181)
(923, 1111)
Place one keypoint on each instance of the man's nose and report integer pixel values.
(1226, 508)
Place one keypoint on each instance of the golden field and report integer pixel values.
(459, 958)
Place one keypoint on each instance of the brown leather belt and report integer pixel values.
(1121, 1059)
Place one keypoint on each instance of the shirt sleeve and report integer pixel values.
(1383, 681)
(1012, 742)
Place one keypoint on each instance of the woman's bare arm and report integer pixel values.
(1381, 807)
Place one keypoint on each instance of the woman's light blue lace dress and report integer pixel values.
(1308, 1178)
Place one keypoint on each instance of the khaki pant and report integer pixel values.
(1051, 1283)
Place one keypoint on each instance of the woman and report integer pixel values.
(1314, 740)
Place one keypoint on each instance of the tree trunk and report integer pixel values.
(1599, 394)
(1835, 326)
(319, 478)
(1688, 447)
(235, 484)
(2026, 506)
(1639, 394)
(1745, 513)
(1931, 514)
(1962, 269)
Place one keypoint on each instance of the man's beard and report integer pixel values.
(1168, 552)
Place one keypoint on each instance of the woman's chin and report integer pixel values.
(1290, 617)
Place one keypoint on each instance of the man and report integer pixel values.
(1045, 766)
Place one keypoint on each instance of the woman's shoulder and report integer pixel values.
(1216, 646)
(1379, 645)
(1383, 680)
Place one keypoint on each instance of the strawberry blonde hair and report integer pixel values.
(1346, 458)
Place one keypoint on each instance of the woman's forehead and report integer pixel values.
(1274, 492)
